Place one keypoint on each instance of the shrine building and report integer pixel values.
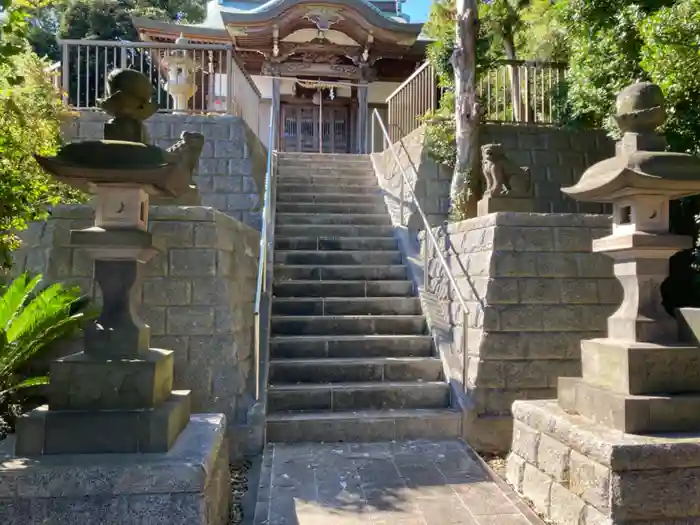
(327, 63)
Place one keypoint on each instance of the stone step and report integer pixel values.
(344, 178)
(358, 396)
(331, 207)
(355, 370)
(327, 198)
(337, 257)
(346, 306)
(346, 189)
(364, 426)
(359, 219)
(324, 159)
(333, 230)
(365, 272)
(336, 243)
(300, 347)
(295, 167)
(347, 324)
(358, 288)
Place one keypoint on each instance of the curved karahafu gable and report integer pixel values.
(356, 18)
(276, 8)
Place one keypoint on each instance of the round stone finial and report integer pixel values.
(131, 82)
(129, 95)
(181, 40)
(640, 108)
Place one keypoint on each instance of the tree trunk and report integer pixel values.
(467, 111)
(514, 75)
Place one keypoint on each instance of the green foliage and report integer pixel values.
(604, 58)
(440, 125)
(29, 123)
(541, 35)
(670, 57)
(30, 321)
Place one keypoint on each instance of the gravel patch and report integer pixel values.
(239, 486)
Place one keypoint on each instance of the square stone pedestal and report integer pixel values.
(188, 485)
(581, 473)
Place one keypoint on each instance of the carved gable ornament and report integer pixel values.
(323, 16)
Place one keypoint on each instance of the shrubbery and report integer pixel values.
(30, 116)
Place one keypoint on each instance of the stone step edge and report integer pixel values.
(346, 338)
(322, 195)
(342, 281)
(340, 266)
(395, 317)
(354, 252)
(363, 415)
(364, 385)
(344, 299)
(346, 361)
(333, 238)
(329, 214)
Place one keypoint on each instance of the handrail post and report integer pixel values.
(401, 200)
(123, 58)
(229, 82)
(426, 260)
(65, 73)
(372, 134)
(526, 117)
(465, 347)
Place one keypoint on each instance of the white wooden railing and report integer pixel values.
(513, 91)
(221, 85)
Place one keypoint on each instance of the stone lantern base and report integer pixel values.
(578, 472)
(582, 459)
(188, 485)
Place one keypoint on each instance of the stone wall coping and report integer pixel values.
(179, 119)
(614, 449)
(158, 213)
(552, 220)
(538, 128)
(186, 468)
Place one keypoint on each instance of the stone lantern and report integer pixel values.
(639, 181)
(181, 84)
(116, 443)
(621, 444)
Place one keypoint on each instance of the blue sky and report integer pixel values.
(417, 9)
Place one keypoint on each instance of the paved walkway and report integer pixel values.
(411, 483)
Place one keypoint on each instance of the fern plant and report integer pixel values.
(31, 319)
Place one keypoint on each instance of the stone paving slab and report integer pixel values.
(396, 483)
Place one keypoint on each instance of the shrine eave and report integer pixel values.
(166, 30)
(278, 10)
(274, 8)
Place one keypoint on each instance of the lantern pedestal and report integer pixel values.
(621, 444)
(115, 444)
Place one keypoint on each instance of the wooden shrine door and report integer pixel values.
(300, 129)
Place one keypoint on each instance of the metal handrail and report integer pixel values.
(266, 244)
(430, 236)
(132, 44)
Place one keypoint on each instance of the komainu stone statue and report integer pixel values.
(508, 187)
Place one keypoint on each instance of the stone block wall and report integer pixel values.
(197, 296)
(533, 290)
(429, 181)
(556, 157)
(230, 176)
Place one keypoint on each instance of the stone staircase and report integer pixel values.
(350, 356)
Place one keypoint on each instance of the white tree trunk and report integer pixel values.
(467, 111)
